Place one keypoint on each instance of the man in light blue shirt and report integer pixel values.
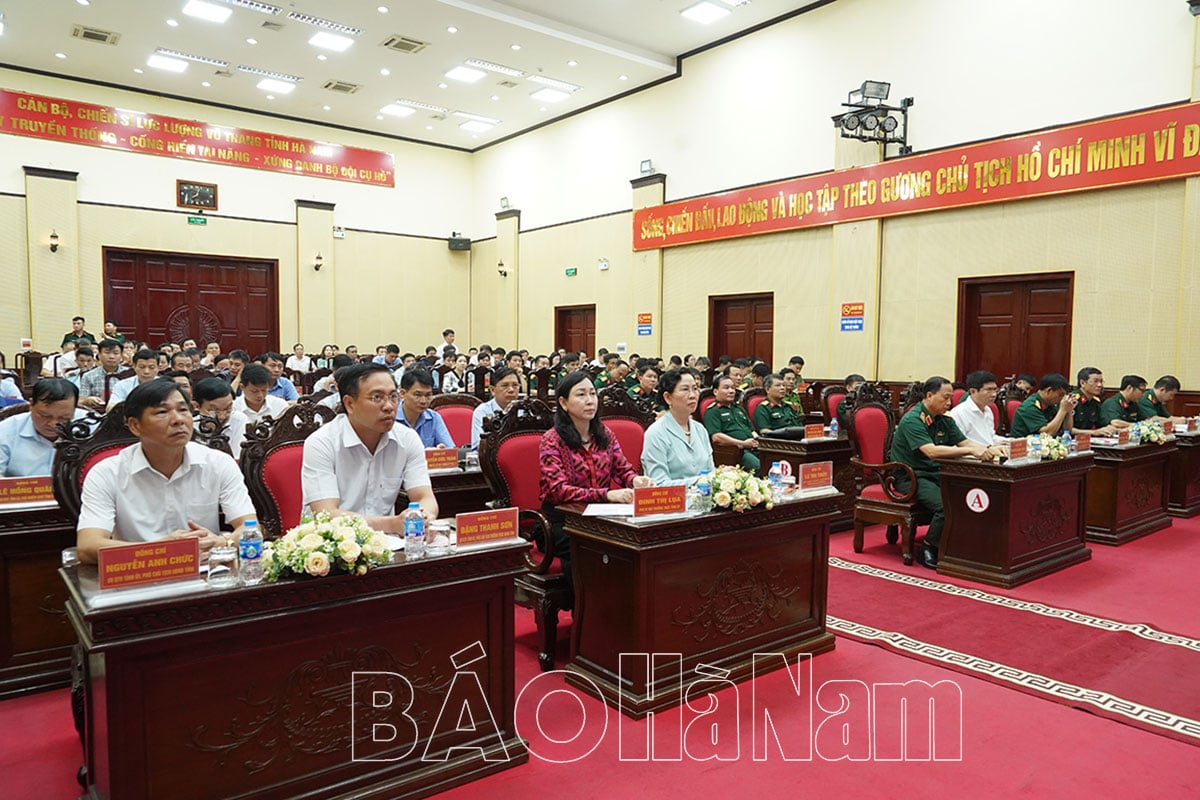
(281, 387)
(27, 440)
(506, 385)
(145, 364)
(416, 390)
(390, 358)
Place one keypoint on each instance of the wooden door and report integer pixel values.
(1013, 324)
(161, 297)
(575, 329)
(741, 325)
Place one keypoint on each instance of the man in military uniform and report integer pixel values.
(1153, 404)
(1050, 410)
(772, 413)
(796, 364)
(926, 433)
(77, 335)
(1087, 404)
(647, 384)
(851, 383)
(756, 376)
(791, 397)
(606, 376)
(1121, 410)
(728, 423)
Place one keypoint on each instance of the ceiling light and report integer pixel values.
(622, 77)
(327, 108)
(397, 110)
(476, 117)
(270, 97)
(516, 47)
(705, 12)
(252, 41)
(1, 24)
(495, 97)
(321, 56)
(572, 63)
(206, 11)
(543, 108)
(328, 25)
(475, 126)
(173, 23)
(139, 70)
(418, 104)
(428, 127)
(562, 86)
(441, 86)
(84, 2)
(256, 5)
(382, 9)
(549, 95)
(266, 73)
(64, 55)
(379, 116)
(212, 62)
(452, 29)
(205, 84)
(274, 85)
(330, 41)
(491, 67)
(466, 74)
(166, 63)
(385, 72)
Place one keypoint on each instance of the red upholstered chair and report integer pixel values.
(751, 398)
(706, 401)
(995, 418)
(628, 418)
(830, 398)
(509, 456)
(456, 409)
(271, 457)
(1007, 400)
(83, 444)
(958, 393)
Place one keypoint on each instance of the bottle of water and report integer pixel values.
(1135, 434)
(704, 491)
(250, 548)
(775, 477)
(1035, 449)
(834, 427)
(414, 533)
(1069, 442)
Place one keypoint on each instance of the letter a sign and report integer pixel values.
(978, 500)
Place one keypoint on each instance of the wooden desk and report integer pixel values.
(1033, 523)
(247, 692)
(1127, 492)
(1184, 499)
(808, 451)
(457, 492)
(716, 588)
(35, 640)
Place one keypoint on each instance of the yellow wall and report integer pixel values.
(14, 276)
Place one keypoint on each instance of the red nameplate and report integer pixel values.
(149, 562)
(1168, 427)
(1193, 425)
(1083, 442)
(659, 500)
(816, 431)
(816, 476)
(26, 490)
(1018, 448)
(484, 527)
(441, 458)
(1123, 437)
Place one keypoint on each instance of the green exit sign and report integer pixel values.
(571, 271)
(197, 220)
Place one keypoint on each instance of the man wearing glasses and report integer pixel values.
(975, 415)
(27, 440)
(506, 385)
(359, 462)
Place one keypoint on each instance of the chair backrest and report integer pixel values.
(830, 398)
(871, 429)
(1008, 399)
(706, 402)
(911, 395)
(627, 417)
(198, 375)
(112, 377)
(542, 389)
(958, 393)
(995, 418)
(509, 453)
(271, 458)
(13, 410)
(439, 375)
(751, 398)
(456, 409)
(82, 444)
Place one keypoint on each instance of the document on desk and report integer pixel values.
(608, 510)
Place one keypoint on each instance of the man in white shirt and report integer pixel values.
(145, 364)
(255, 402)
(359, 462)
(447, 341)
(212, 397)
(506, 385)
(975, 415)
(163, 487)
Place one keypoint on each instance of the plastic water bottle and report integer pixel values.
(704, 491)
(1035, 449)
(1069, 442)
(250, 548)
(834, 427)
(775, 477)
(1135, 434)
(414, 533)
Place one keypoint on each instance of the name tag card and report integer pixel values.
(1193, 425)
(486, 527)
(659, 500)
(1123, 437)
(1168, 427)
(441, 458)
(149, 562)
(816, 431)
(816, 476)
(1018, 448)
(26, 490)
(1083, 442)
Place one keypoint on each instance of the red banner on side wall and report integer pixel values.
(1117, 151)
(134, 132)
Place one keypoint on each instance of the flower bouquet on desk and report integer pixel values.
(735, 488)
(339, 545)
(1151, 432)
(1050, 448)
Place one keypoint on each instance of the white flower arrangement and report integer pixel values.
(1152, 432)
(344, 545)
(737, 489)
(1052, 449)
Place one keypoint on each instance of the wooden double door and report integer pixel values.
(1012, 324)
(575, 329)
(742, 325)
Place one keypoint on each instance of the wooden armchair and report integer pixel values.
(509, 456)
(628, 418)
(831, 396)
(13, 410)
(271, 457)
(82, 444)
(1008, 399)
(456, 409)
(751, 398)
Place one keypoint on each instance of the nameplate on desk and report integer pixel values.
(149, 562)
(659, 500)
(486, 527)
(1017, 448)
(1168, 427)
(816, 431)
(26, 490)
(441, 458)
(1123, 437)
(816, 476)
(1083, 442)
(1193, 425)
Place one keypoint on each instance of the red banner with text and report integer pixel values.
(134, 132)
(1134, 148)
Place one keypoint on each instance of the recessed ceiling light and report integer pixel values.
(84, 2)
(173, 23)
(270, 97)
(554, 83)
(252, 41)
(549, 95)
(428, 127)
(330, 41)
(382, 9)
(491, 66)
(705, 12)
(166, 63)
(321, 56)
(379, 116)
(273, 85)
(475, 126)
(205, 84)
(572, 63)
(207, 11)
(495, 97)
(516, 47)
(327, 108)
(397, 110)
(465, 74)
(419, 105)
(139, 70)
(213, 62)
(441, 86)
(622, 77)
(452, 29)
(385, 72)
(543, 108)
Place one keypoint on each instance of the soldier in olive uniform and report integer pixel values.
(1153, 404)
(1121, 410)
(1087, 404)
(772, 413)
(851, 383)
(728, 423)
(1051, 410)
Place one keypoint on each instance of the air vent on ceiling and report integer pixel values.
(343, 87)
(223, 73)
(94, 34)
(403, 44)
(437, 116)
(272, 26)
(507, 84)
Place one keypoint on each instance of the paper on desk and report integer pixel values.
(608, 510)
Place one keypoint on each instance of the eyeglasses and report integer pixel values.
(380, 398)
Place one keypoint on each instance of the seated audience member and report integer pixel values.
(359, 462)
(456, 379)
(10, 393)
(27, 439)
(165, 486)
(187, 344)
(281, 387)
(676, 447)
(728, 423)
(1050, 410)
(581, 461)
(255, 401)
(211, 351)
(238, 359)
(771, 414)
(325, 360)
(1087, 404)
(297, 361)
(58, 366)
(605, 377)
(1121, 410)
(390, 357)
(566, 365)
(213, 398)
(852, 382)
(796, 363)
(180, 377)
(702, 363)
(329, 382)
(128, 349)
(539, 362)
(1025, 382)
(1153, 404)
(164, 360)
(447, 342)
(927, 433)
(416, 391)
(754, 379)
(92, 387)
(181, 362)
(220, 366)
(145, 367)
(111, 331)
(85, 360)
(975, 417)
(647, 383)
(513, 361)
(505, 388)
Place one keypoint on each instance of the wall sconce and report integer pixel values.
(504, 204)
(500, 268)
(53, 241)
(318, 262)
(646, 167)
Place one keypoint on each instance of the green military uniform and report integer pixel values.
(631, 379)
(78, 340)
(637, 392)
(769, 417)
(732, 420)
(843, 413)
(1149, 406)
(1087, 412)
(916, 429)
(603, 380)
(795, 400)
(1117, 407)
(1032, 415)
